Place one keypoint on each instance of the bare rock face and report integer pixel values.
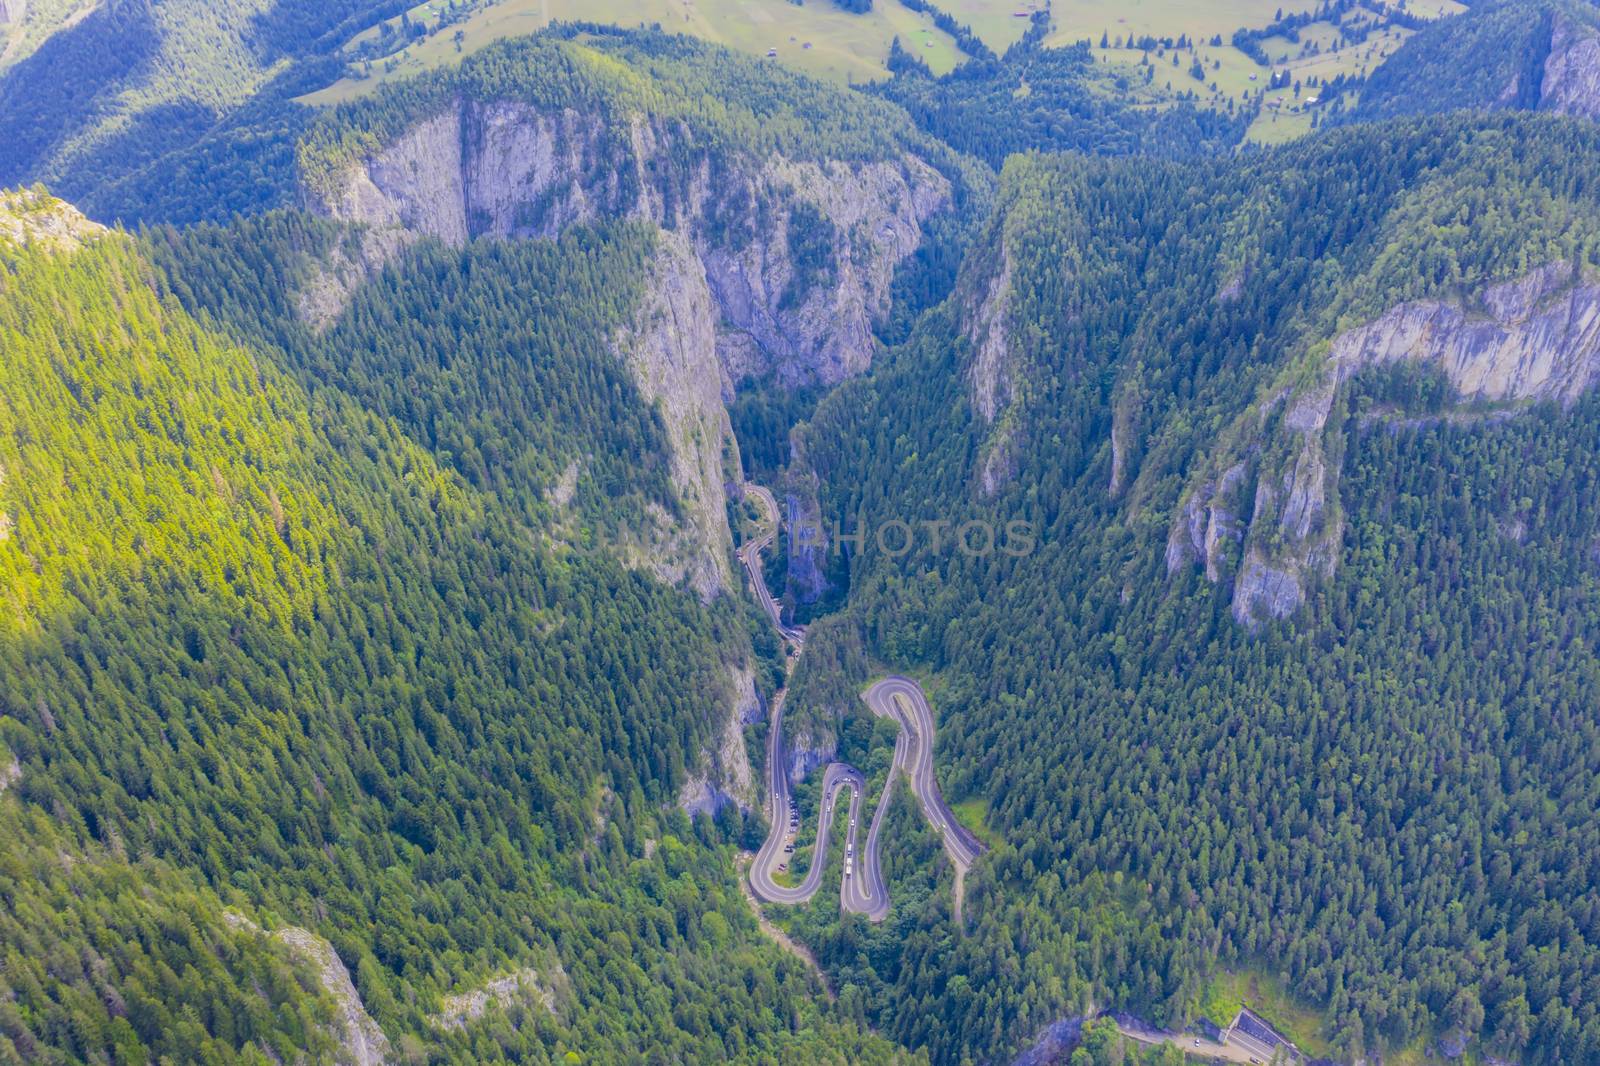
(988, 330)
(11, 11)
(807, 752)
(1209, 529)
(10, 773)
(991, 375)
(508, 169)
(416, 183)
(1571, 83)
(361, 1042)
(6, 521)
(1533, 338)
(35, 218)
(806, 543)
(524, 986)
(670, 351)
(725, 776)
(322, 298)
(807, 539)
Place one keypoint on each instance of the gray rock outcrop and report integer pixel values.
(361, 1042)
(1571, 82)
(807, 752)
(725, 776)
(670, 352)
(507, 169)
(806, 542)
(35, 218)
(525, 986)
(988, 328)
(1530, 339)
(991, 376)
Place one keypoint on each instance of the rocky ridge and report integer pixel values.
(670, 353)
(511, 170)
(361, 1041)
(32, 217)
(524, 986)
(725, 775)
(1571, 78)
(1534, 338)
(991, 375)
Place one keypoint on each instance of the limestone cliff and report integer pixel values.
(670, 351)
(1533, 338)
(991, 375)
(1571, 78)
(34, 217)
(724, 775)
(806, 540)
(508, 169)
(809, 750)
(548, 987)
(331, 280)
(6, 521)
(988, 330)
(361, 1042)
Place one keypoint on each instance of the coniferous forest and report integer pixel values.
(357, 704)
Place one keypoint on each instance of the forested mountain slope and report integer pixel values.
(1526, 54)
(1366, 363)
(270, 644)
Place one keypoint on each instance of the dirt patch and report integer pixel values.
(778, 936)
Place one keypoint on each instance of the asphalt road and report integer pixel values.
(863, 889)
(901, 699)
(837, 779)
(750, 556)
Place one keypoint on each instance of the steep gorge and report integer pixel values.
(798, 253)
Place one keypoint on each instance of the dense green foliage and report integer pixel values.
(1049, 99)
(1387, 800)
(262, 648)
(762, 414)
(829, 678)
(510, 402)
(103, 954)
(329, 627)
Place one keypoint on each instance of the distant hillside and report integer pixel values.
(121, 84)
(1039, 98)
(1525, 54)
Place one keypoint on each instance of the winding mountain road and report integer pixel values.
(750, 556)
(863, 889)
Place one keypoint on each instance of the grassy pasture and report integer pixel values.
(843, 48)
(818, 38)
